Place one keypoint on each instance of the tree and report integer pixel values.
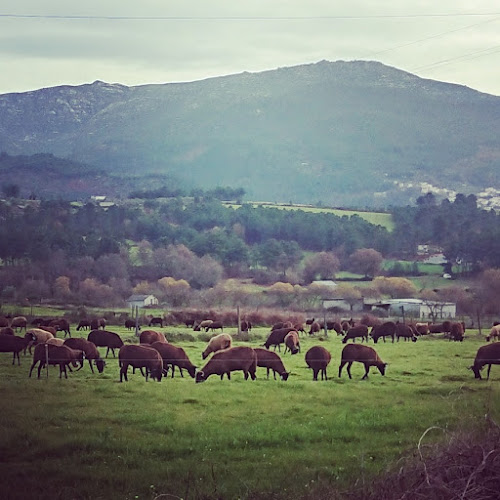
(396, 288)
(175, 292)
(366, 261)
(322, 265)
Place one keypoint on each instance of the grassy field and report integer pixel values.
(91, 437)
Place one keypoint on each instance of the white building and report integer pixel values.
(417, 308)
(142, 301)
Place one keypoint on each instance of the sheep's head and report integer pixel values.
(284, 375)
(100, 364)
(382, 367)
(200, 377)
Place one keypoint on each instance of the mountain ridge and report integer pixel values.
(339, 133)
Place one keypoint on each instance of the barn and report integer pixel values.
(142, 301)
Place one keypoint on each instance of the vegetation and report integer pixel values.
(91, 437)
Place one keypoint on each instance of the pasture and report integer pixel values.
(91, 437)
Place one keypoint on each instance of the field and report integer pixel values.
(91, 437)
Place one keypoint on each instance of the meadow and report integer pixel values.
(91, 437)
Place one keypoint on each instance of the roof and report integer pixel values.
(138, 298)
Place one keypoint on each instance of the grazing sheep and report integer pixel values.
(292, 342)
(215, 325)
(104, 338)
(205, 324)
(360, 331)
(271, 361)
(315, 328)
(90, 350)
(230, 360)
(49, 329)
(14, 344)
(130, 324)
(422, 328)
(387, 329)
(405, 332)
(53, 355)
(457, 332)
(156, 321)
(217, 343)
(299, 327)
(3, 321)
(174, 356)
(318, 358)
(363, 354)
(150, 336)
(277, 337)
(281, 324)
(436, 328)
(18, 322)
(486, 355)
(6, 330)
(61, 324)
(338, 328)
(36, 336)
(494, 333)
(83, 324)
(309, 321)
(55, 341)
(140, 356)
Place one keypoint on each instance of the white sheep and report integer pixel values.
(217, 343)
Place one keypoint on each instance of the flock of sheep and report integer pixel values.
(154, 356)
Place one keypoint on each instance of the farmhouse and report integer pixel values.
(416, 308)
(142, 301)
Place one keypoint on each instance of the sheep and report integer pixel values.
(140, 356)
(3, 321)
(281, 324)
(364, 354)
(318, 358)
(246, 326)
(130, 324)
(215, 325)
(217, 343)
(494, 333)
(156, 321)
(356, 331)
(203, 324)
(83, 324)
(405, 332)
(55, 341)
(486, 355)
(14, 344)
(150, 336)
(230, 360)
(49, 329)
(387, 329)
(18, 322)
(61, 324)
(292, 342)
(277, 337)
(96, 323)
(315, 328)
(6, 330)
(36, 336)
(174, 356)
(53, 355)
(299, 327)
(457, 332)
(90, 350)
(271, 361)
(104, 338)
(422, 328)
(338, 328)
(436, 328)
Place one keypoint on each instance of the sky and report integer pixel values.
(61, 42)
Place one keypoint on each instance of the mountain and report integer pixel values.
(340, 133)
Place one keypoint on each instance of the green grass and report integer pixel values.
(92, 437)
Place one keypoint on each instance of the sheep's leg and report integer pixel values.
(323, 373)
(367, 369)
(315, 373)
(489, 369)
(31, 369)
(342, 364)
(91, 367)
(349, 368)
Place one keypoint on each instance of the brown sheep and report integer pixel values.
(14, 344)
(281, 324)
(90, 350)
(315, 328)
(55, 341)
(217, 343)
(62, 325)
(150, 336)
(53, 355)
(203, 324)
(457, 332)
(230, 360)
(277, 337)
(3, 321)
(355, 332)
(130, 324)
(292, 342)
(299, 327)
(83, 324)
(6, 330)
(422, 328)
(405, 332)
(486, 355)
(387, 329)
(156, 321)
(140, 356)
(215, 325)
(364, 354)
(318, 358)
(18, 322)
(246, 326)
(174, 356)
(104, 338)
(271, 361)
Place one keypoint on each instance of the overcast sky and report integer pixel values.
(45, 43)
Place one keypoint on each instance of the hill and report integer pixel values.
(340, 133)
